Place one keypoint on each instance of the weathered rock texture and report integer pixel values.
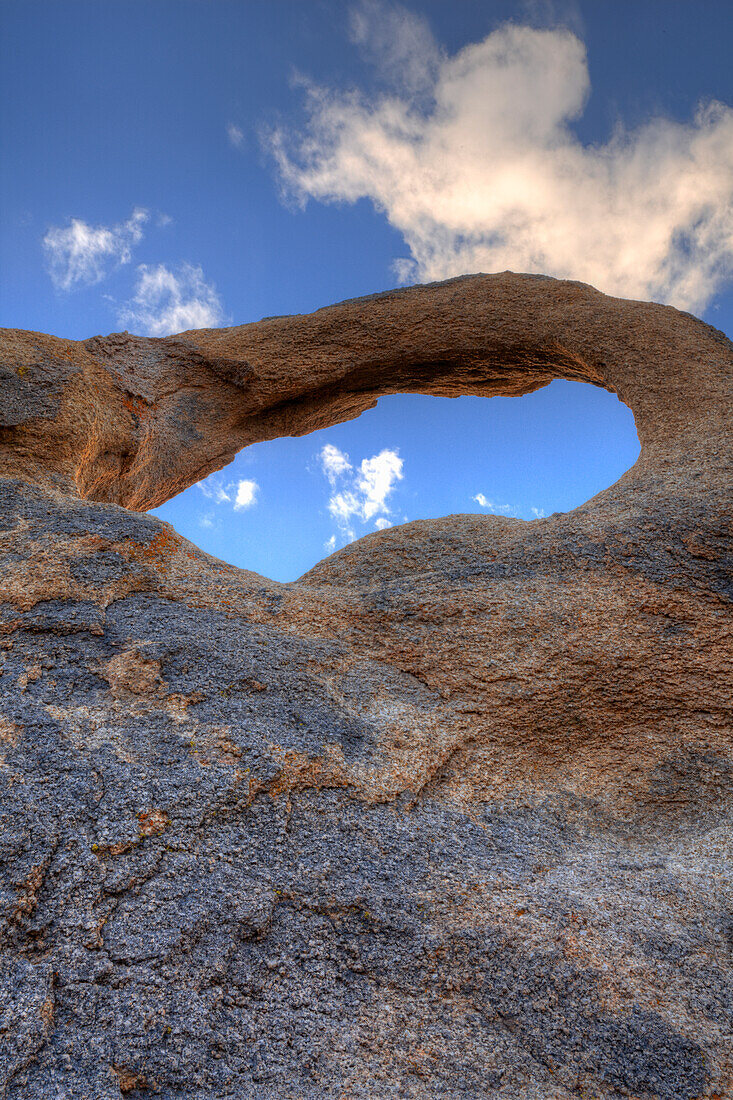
(449, 816)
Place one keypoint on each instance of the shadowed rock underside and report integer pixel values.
(447, 817)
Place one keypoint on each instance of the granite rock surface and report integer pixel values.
(450, 816)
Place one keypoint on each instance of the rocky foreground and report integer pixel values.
(450, 816)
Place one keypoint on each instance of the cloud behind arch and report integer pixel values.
(473, 158)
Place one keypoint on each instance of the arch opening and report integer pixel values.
(133, 421)
(283, 505)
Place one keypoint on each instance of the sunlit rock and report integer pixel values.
(450, 815)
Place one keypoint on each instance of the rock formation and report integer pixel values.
(447, 817)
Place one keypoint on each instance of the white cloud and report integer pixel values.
(493, 507)
(342, 507)
(215, 489)
(168, 301)
(334, 462)
(330, 544)
(398, 42)
(360, 494)
(235, 135)
(206, 519)
(505, 509)
(246, 495)
(81, 253)
(240, 494)
(376, 480)
(481, 171)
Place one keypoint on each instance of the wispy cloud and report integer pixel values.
(497, 509)
(239, 494)
(215, 489)
(398, 42)
(235, 135)
(80, 253)
(360, 494)
(334, 462)
(473, 158)
(168, 301)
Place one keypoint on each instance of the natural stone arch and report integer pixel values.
(134, 421)
(480, 768)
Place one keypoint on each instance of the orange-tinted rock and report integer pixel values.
(134, 421)
(448, 816)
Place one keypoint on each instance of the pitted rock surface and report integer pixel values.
(450, 816)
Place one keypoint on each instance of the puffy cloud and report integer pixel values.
(360, 494)
(473, 158)
(376, 480)
(334, 462)
(168, 301)
(343, 506)
(246, 495)
(81, 253)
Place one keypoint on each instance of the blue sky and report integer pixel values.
(175, 163)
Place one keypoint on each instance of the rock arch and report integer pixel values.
(134, 421)
(449, 814)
